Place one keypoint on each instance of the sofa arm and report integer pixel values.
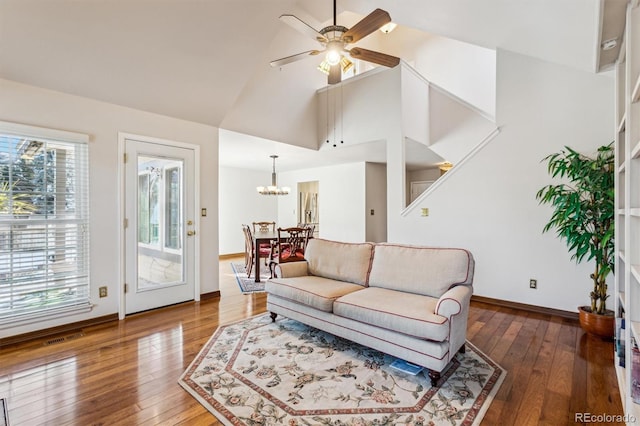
(291, 269)
(454, 301)
(454, 305)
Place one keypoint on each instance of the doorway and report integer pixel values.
(160, 224)
(418, 187)
(308, 213)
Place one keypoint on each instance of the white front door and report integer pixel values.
(160, 229)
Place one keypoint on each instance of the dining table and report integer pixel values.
(264, 237)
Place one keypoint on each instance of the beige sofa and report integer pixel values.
(410, 302)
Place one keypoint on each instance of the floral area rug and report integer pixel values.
(256, 372)
(249, 285)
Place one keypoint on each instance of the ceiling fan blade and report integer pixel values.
(335, 74)
(301, 26)
(375, 57)
(366, 26)
(293, 58)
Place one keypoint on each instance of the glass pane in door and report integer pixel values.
(172, 208)
(160, 213)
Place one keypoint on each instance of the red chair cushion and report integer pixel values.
(287, 256)
(265, 251)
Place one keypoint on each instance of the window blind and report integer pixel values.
(44, 226)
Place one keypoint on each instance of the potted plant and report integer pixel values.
(583, 215)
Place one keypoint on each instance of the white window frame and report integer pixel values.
(56, 136)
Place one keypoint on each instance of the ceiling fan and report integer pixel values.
(334, 40)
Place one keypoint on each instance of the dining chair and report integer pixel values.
(310, 226)
(250, 251)
(289, 247)
(264, 226)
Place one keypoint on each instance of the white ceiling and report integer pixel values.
(193, 59)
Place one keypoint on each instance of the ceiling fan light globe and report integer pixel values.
(346, 64)
(333, 57)
(324, 67)
(388, 27)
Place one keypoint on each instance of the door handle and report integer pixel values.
(191, 233)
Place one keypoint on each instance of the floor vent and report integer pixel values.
(61, 339)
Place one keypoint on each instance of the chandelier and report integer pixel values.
(273, 188)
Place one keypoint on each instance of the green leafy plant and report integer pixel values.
(14, 203)
(583, 211)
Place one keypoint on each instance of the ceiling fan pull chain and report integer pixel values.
(327, 115)
(335, 108)
(341, 113)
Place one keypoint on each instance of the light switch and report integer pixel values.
(203, 212)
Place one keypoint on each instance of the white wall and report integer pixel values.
(489, 205)
(37, 107)
(466, 70)
(363, 109)
(456, 127)
(240, 203)
(414, 104)
(341, 200)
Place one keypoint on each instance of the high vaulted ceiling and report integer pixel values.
(193, 59)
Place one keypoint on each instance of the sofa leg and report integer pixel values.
(434, 376)
(463, 349)
(273, 316)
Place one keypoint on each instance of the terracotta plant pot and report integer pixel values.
(598, 325)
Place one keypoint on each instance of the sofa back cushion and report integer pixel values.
(429, 271)
(340, 261)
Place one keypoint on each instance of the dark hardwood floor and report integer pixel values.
(126, 372)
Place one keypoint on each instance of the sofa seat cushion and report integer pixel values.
(409, 314)
(316, 292)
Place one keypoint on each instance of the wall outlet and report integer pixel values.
(533, 283)
(102, 291)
